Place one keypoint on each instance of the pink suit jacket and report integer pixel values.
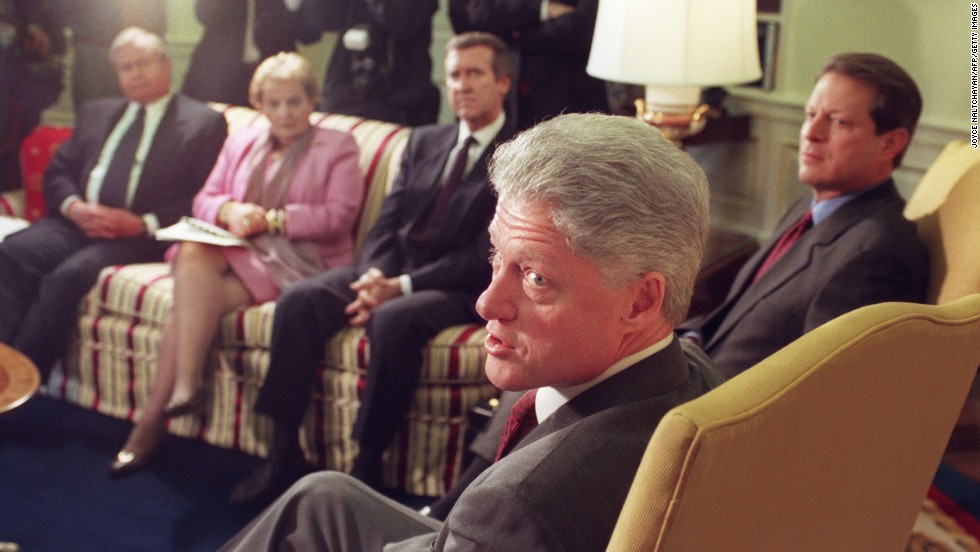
(322, 206)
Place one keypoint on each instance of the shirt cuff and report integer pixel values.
(543, 12)
(406, 283)
(292, 5)
(67, 203)
(152, 223)
(691, 334)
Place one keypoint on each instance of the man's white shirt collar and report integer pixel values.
(485, 135)
(550, 399)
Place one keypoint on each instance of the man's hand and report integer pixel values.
(37, 41)
(557, 9)
(99, 221)
(373, 288)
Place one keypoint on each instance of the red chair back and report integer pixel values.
(35, 153)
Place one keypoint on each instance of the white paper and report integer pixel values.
(9, 225)
(192, 229)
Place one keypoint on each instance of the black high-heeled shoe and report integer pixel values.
(193, 405)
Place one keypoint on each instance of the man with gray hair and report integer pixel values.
(131, 165)
(597, 237)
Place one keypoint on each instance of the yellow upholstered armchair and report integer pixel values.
(829, 444)
(945, 207)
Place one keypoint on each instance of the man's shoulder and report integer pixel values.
(621, 412)
(433, 132)
(101, 107)
(877, 214)
(187, 105)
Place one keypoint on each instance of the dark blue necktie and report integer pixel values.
(116, 181)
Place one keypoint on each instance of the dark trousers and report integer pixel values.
(45, 270)
(309, 313)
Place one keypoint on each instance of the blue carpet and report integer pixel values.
(56, 493)
(958, 488)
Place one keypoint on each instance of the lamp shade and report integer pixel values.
(675, 42)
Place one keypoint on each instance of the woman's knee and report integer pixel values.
(194, 254)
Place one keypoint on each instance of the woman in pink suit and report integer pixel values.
(294, 191)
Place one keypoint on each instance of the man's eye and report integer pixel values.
(535, 279)
(494, 260)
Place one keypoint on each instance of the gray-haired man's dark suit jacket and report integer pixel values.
(560, 489)
(563, 486)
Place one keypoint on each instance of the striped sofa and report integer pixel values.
(110, 364)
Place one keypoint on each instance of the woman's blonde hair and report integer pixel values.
(284, 66)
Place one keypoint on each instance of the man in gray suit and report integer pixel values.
(598, 233)
(856, 249)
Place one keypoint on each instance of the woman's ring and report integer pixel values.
(246, 222)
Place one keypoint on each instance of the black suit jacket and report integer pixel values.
(564, 484)
(866, 252)
(217, 72)
(456, 259)
(403, 32)
(180, 158)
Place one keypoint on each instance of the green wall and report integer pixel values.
(929, 38)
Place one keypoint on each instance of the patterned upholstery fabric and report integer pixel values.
(12, 203)
(35, 153)
(110, 366)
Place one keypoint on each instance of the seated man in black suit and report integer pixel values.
(854, 247)
(598, 234)
(131, 165)
(420, 270)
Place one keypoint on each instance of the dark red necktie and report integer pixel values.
(786, 241)
(520, 422)
(454, 178)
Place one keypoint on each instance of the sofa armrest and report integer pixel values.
(12, 204)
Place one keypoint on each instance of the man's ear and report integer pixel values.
(648, 298)
(895, 141)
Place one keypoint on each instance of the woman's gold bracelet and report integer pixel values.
(275, 221)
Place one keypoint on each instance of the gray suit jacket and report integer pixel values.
(563, 486)
(864, 253)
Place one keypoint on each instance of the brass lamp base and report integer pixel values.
(676, 123)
